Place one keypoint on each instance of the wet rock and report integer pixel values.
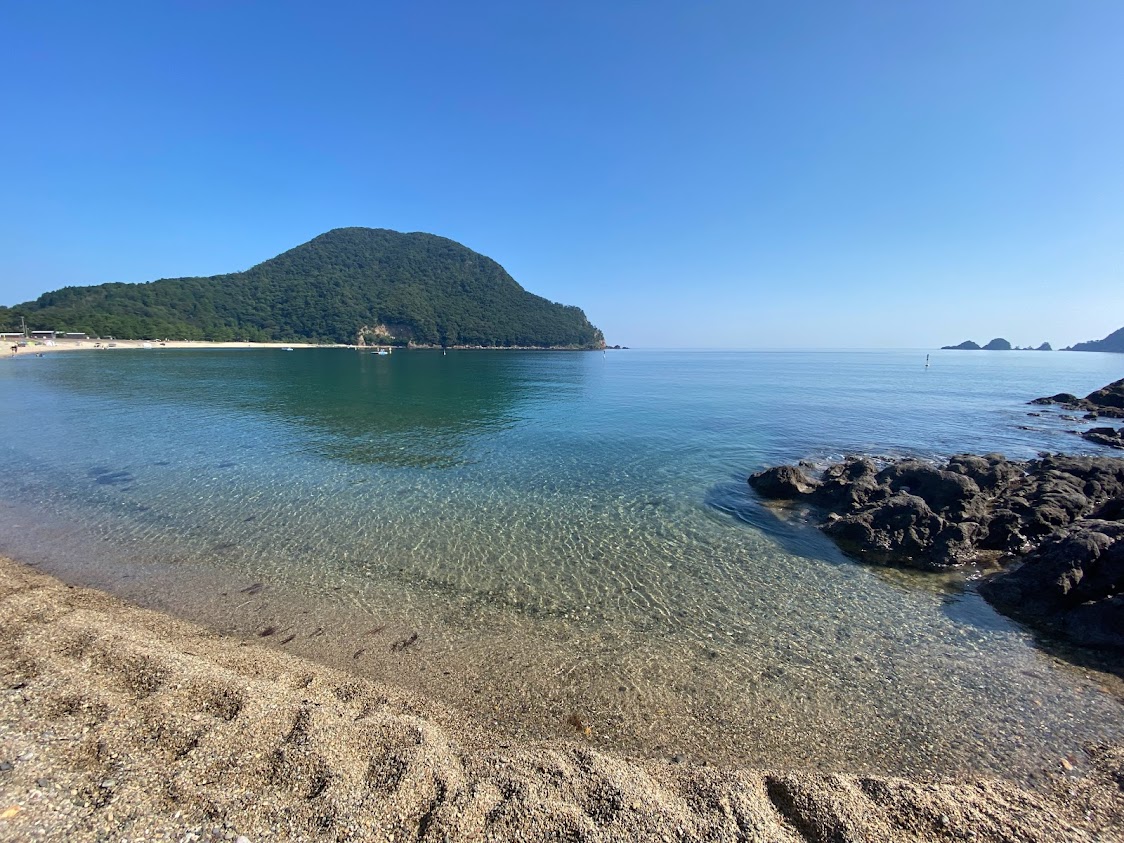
(942, 490)
(1055, 524)
(1060, 398)
(903, 524)
(1071, 584)
(783, 482)
(1107, 401)
(1108, 396)
(1105, 436)
(916, 514)
(848, 485)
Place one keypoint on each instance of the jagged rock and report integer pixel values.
(991, 471)
(982, 504)
(1108, 396)
(944, 491)
(900, 525)
(1060, 398)
(1071, 585)
(1105, 436)
(847, 485)
(783, 482)
(1108, 401)
(1063, 514)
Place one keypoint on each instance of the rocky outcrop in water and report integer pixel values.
(1062, 516)
(997, 344)
(1056, 522)
(967, 345)
(920, 515)
(1071, 584)
(1113, 437)
(1108, 401)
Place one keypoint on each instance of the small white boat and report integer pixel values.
(381, 352)
(287, 348)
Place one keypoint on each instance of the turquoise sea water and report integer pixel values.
(569, 536)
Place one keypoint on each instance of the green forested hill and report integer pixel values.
(409, 287)
(1113, 342)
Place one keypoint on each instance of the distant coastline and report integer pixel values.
(997, 344)
(34, 347)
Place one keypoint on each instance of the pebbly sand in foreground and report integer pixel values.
(119, 723)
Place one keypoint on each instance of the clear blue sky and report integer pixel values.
(739, 174)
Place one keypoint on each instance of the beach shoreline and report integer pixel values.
(40, 346)
(36, 347)
(123, 722)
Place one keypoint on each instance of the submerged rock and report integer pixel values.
(1071, 585)
(784, 482)
(1062, 515)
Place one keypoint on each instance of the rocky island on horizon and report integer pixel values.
(997, 344)
(1114, 342)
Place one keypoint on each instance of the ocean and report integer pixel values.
(563, 544)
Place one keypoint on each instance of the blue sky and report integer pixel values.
(729, 174)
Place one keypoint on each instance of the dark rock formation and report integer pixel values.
(1045, 347)
(1071, 585)
(784, 482)
(967, 345)
(920, 515)
(1105, 436)
(1108, 396)
(1063, 515)
(1108, 401)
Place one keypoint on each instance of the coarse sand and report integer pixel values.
(123, 724)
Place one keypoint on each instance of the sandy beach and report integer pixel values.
(120, 723)
(41, 347)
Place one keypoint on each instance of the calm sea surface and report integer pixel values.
(555, 541)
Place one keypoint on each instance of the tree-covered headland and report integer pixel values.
(381, 285)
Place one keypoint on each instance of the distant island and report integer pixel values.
(997, 344)
(350, 285)
(1113, 342)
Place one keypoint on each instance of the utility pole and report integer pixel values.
(23, 326)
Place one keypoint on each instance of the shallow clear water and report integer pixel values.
(569, 535)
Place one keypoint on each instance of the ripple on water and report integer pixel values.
(583, 549)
